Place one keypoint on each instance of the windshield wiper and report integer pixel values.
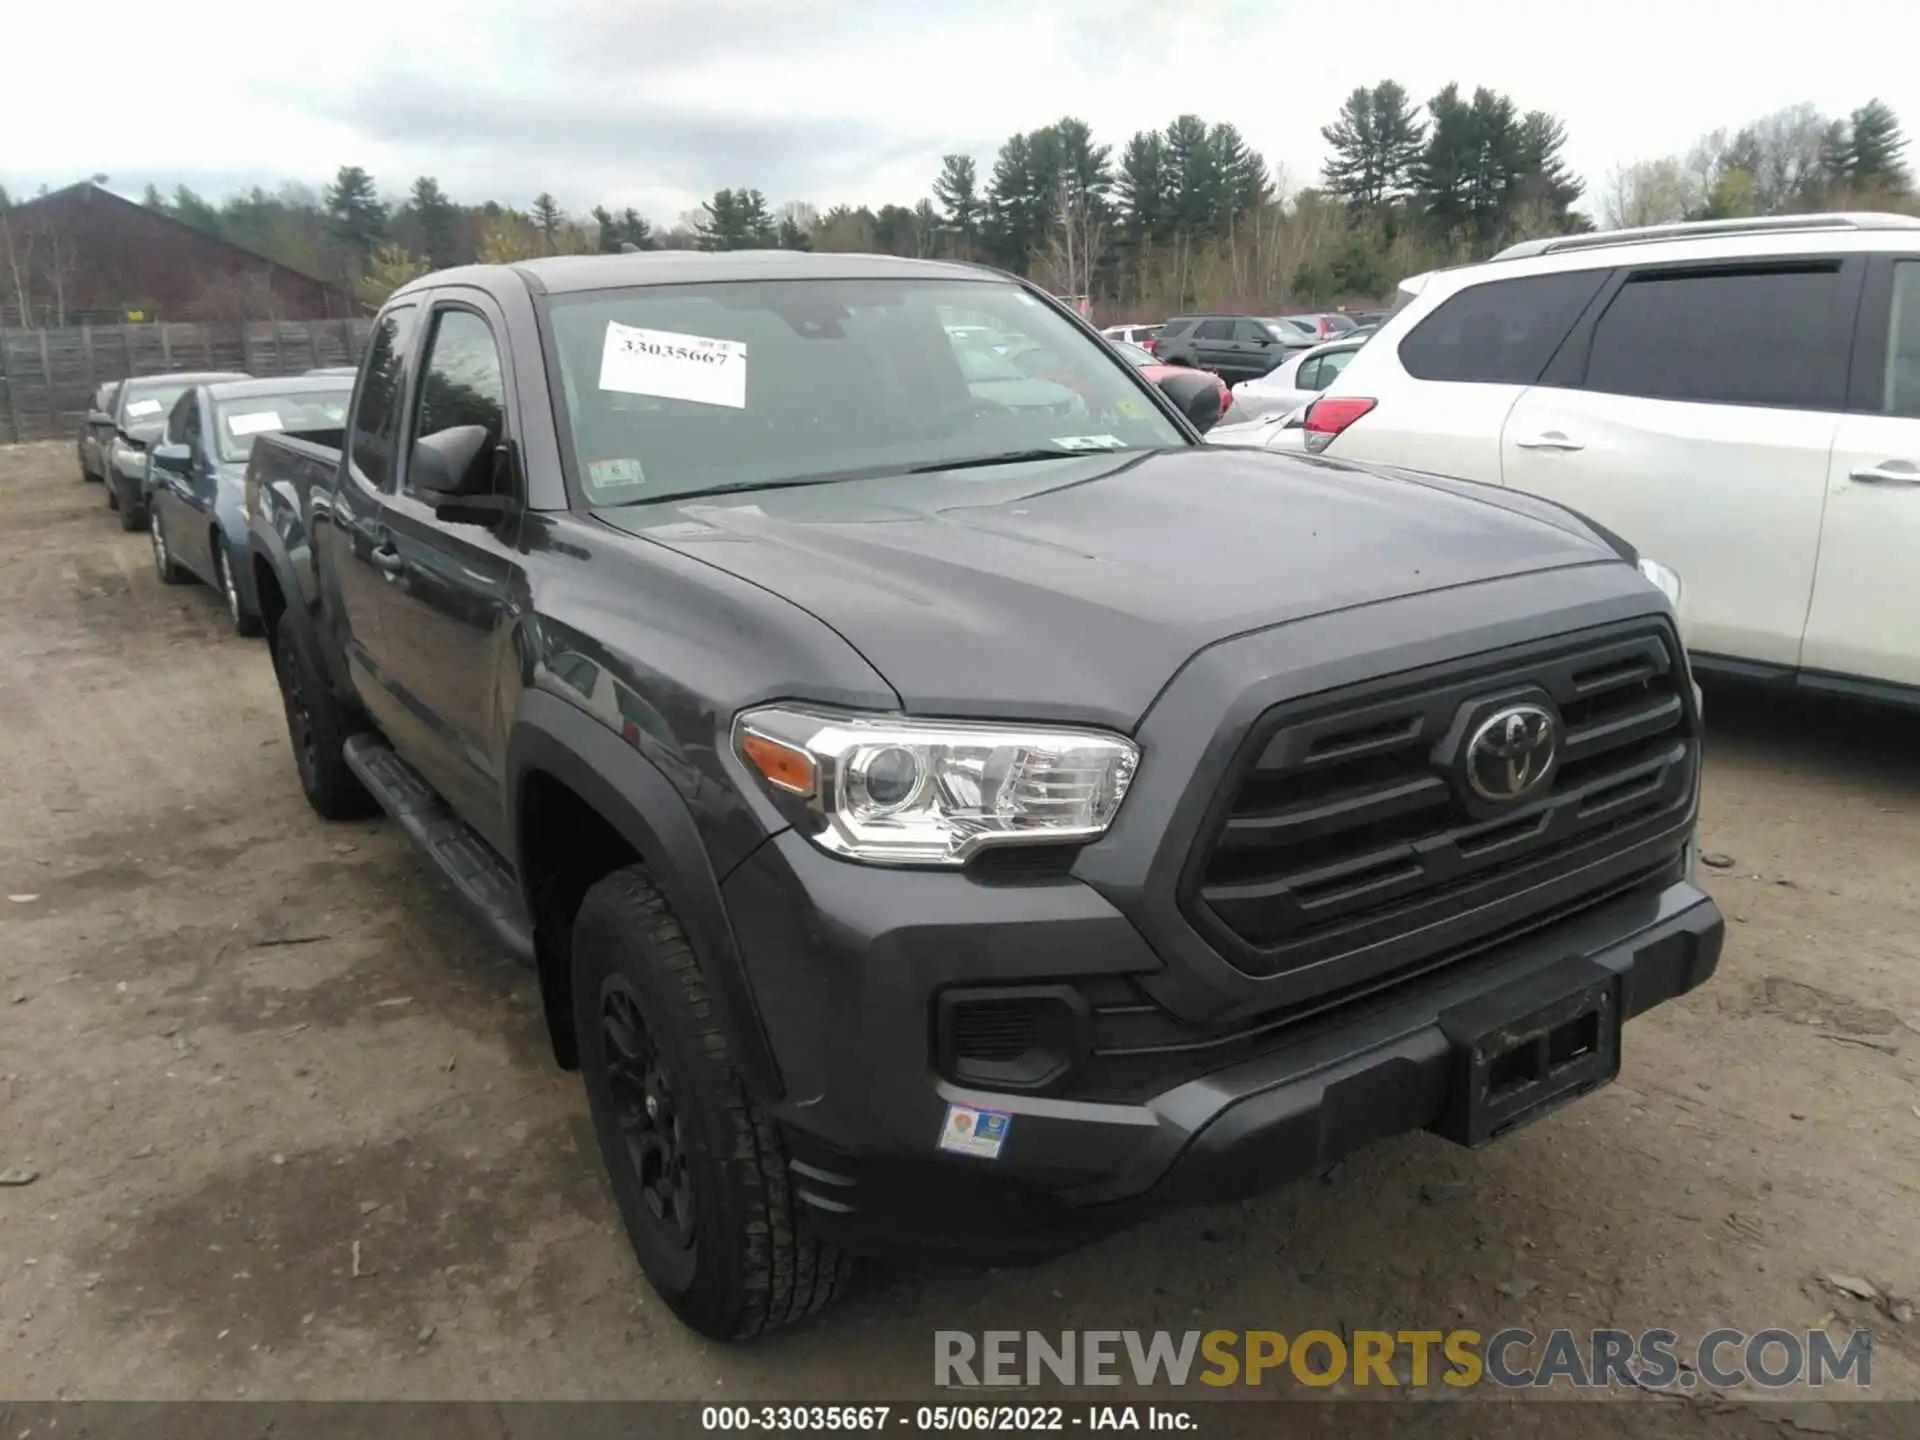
(1014, 457)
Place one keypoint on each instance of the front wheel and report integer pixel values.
(164, 565)
(700, 1175)
(244, 621)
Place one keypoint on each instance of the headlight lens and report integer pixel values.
(895, 791)
(1663, 580)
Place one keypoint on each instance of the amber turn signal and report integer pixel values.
(784, 766)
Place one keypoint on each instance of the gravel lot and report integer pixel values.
(242, 1048)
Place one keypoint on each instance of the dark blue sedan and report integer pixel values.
(196, 495)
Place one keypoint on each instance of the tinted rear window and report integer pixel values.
(1777, 337)
(1176, 327)
(1500, 333)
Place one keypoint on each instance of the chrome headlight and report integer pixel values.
(1663, 580)
(896, 791)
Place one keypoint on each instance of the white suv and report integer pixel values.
(1740, 399)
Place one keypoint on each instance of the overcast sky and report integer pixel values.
(655, 103)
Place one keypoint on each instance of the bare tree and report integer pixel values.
(58, 262)
(1650, 192)
(1075, 239)
(16, 241)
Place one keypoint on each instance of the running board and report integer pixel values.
(478, 874)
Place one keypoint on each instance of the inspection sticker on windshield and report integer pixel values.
(142, 407)
(674, 367)
(1089, 442)
(258, 423)
(969, 1131)
(615, 474)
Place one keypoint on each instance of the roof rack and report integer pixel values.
(1710, 229)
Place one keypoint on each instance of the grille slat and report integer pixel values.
(1347, 824)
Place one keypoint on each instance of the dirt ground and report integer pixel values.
(297, 1134)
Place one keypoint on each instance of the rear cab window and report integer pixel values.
(381, 404)
(1500, 332)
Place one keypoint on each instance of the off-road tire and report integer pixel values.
(752, 1266)
(318, 727)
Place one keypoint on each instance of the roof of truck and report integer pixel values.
(564, 274)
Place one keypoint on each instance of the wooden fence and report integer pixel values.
(47, 377)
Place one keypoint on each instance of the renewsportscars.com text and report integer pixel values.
(1512, 1358)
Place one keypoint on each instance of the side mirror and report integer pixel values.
(1197, 394)
(174, 458)
(99, 417)
(454, 470)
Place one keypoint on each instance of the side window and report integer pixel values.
(1778, 337)
(1309, 376)
(1251, 331)
(1173, 329)
(188, 413)
(1213, 330)
(177, 420)
(1332, 364)
(1901, 395)
(461, 382)
(376, 415)
(1499, 333)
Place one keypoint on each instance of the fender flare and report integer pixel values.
(632, 795)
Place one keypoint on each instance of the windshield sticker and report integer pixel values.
(623, 474)
(1089, 442)
(1132, 409)
(257, 423)
(137, 408)
(674, 367)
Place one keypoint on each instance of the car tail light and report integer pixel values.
(1150, 344)
(1329, 416)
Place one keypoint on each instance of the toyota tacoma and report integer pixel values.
(942, 828)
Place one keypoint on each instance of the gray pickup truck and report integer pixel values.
(948, 828)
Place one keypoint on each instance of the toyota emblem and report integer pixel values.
(1511, 752)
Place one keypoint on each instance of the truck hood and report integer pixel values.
(1076, 588)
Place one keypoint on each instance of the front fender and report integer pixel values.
(632, 795)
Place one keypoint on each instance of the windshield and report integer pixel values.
(672, 389)
(238, 421)
(1134, 355)
(1339, 324)
(147, 405)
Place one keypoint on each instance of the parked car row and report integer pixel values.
(1741, 398)
(171, 451)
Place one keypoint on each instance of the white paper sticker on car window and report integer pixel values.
(674, 367)
(615, 474)
(257, 422)
(137, 408)
(1089, 442)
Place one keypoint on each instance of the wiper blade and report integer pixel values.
(1012, 457)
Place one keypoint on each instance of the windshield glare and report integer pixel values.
(147, 406)
(237, 422)
(671, 389)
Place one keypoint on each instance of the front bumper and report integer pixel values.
(846, 962)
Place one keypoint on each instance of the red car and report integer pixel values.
(1155, 371)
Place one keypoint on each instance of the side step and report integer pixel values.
(479, 875)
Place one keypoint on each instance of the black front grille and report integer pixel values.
(1345, 824)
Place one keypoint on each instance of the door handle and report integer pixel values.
(1887, 472)
(1549, 440)
(387, 561)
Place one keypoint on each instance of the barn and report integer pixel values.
(86, 254)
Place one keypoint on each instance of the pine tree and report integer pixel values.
(957, 188)
(150, 197)
(635, 231)
(547, 219)
(1873, 158)
(1019, 197)
(1194, 180)
(435, 215)
(1377, 143)
(1145, 191)
(791, 235)
(607, 230)
(1544, 179)
(737, 220)
(1244, 186)
(355, 212)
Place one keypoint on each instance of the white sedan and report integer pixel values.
(1279, 430)
(1297, 379)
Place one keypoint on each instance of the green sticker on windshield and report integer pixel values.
(1130, 408)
